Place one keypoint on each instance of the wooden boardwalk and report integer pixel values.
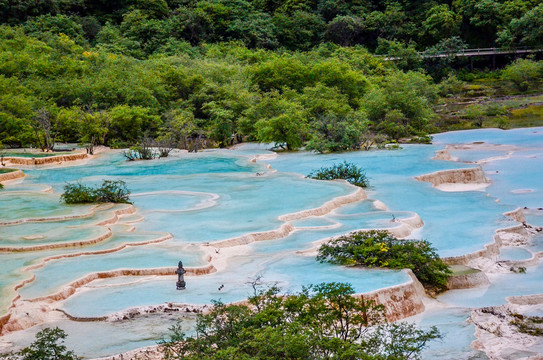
(475, 52)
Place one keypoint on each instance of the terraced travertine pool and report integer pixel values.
(187, 205)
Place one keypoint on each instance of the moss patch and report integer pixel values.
(531, 325)
(528, 116)
(458, 270)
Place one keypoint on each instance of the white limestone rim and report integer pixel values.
(67, 289)
(213, 266)
(450, 187)
(11, 177)
(154, 353)
(444, 154)
(404, 229)
(89, 214)
(491, 250)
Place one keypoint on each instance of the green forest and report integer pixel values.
(189, 74)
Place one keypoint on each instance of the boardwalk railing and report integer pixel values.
(475, 52)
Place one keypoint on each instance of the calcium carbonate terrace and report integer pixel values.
(231, 219)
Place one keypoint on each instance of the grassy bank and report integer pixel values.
(486, 100)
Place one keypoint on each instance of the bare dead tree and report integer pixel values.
(165, 144)
(45, 129)
(2, 155)
(197, 141)
(370, 139)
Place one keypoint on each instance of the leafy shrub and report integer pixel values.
(523, 73)
(114, 191)
(78, 194)
(346, 171)
(380, 249)
(118, 144)
(145, 153)
(144, 150)
(528, 116)
(333, 133)
(475, 113)
(450, 86)
(495, 110)
(502, 123)
(48, 346)
(393, 146)
(423, 139)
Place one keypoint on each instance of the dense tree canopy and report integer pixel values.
(102, 72)
(143, 27)
(55, 89)
(324, 321)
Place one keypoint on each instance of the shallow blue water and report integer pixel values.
(514, 253)
(457, 334)
(524, 137)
